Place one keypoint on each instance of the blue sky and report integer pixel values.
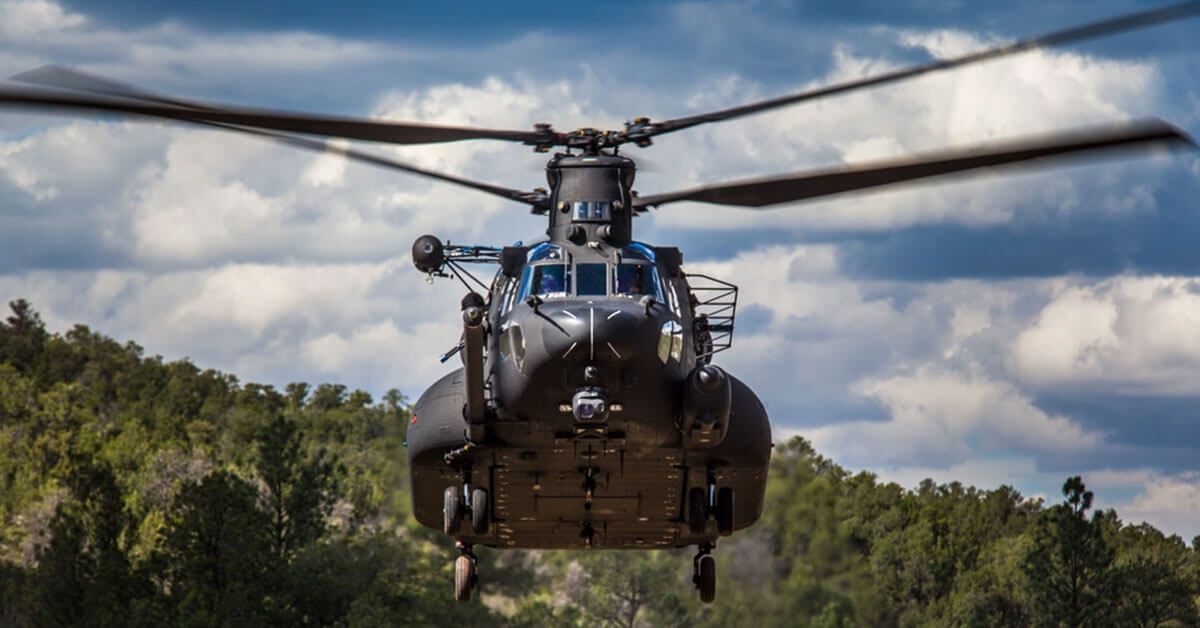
(1002, 329)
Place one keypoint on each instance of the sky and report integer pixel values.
(1012, 329)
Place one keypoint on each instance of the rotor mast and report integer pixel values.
(590, 198)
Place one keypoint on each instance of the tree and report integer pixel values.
(617, 588)
(1152, 579)
(22, 336)
(1068, 565)
(84, 575)
(217, 552)
(298, 492)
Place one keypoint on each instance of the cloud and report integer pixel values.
(25, 20)
(1170, 503)
(943, 418)
(1137, 335)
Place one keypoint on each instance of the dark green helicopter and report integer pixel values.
(588, 413)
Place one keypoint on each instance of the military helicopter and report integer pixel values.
(588, 413)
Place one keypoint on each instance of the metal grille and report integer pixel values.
(716, 305)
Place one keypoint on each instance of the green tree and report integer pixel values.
(1068, 564)
(83, 574)
(218, 553)
(22, 336)
(298, 492)
(1154, 587)
(619, 588)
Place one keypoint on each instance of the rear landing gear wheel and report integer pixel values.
(706, 579)
(464, 577)
(479, 510)
(452, 510)
(697, 509)
(724, 511)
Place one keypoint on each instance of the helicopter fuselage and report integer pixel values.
(587, 408)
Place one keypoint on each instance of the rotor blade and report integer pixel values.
(66, 78)
(762, 192)
(332, 126)
(1079, 33)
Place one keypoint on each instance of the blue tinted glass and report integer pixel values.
(638, 251)
(592, 279)
(638, 279)
(544, 250)
(551, 280)
(545, 280)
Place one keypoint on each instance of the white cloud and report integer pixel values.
(947, 418)
(1131, 334)
(23, 20)
(1033, 93)
(1169, 503)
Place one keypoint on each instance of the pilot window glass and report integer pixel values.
(546, 280)
(592, 279)
(636, 280)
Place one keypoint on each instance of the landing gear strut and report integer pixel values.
(458, 503)
(464, 572)
(704, 573)
(706, 501)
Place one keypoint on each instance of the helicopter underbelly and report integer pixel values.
(561, 490)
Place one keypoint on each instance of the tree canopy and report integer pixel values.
(135, 491)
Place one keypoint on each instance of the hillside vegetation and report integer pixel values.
(136, 492)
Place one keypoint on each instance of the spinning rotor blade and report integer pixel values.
(1078, 33)
(332, 126)
(65, 78)
(762, 192)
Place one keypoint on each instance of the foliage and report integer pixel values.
(135, 491)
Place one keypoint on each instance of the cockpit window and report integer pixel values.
(546, 280)
(554, 280)
(636, 280)
(592, 210)
(592, 279)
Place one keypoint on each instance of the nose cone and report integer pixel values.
(609, 330)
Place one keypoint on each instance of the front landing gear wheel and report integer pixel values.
(697, 509)
(706, 579)
(479, 510)
(452, 510)
(464, 577)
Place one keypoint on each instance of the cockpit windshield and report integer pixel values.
(548, 276)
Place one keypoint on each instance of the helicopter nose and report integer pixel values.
(607, 332)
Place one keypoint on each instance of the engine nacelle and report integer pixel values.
(707, 399)
(428, 254)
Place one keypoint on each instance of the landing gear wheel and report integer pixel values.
(452, 510)
(464, 577)
(706, 579)
(479, 510)
(724, 511)
(697, 509)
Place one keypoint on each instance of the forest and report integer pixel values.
(140, 492)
